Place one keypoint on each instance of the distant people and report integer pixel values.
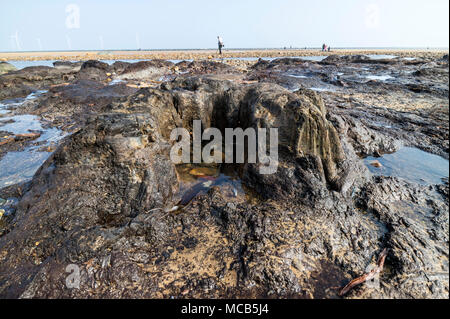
(326, 48)
(220, 44)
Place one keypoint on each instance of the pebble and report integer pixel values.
(2, 201)
(376, 164)
(2, 212)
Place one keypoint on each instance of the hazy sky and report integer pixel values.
(174, 24)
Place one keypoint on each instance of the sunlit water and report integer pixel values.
(413, 165)
(381, 56)
(18, 167)
(379, 77)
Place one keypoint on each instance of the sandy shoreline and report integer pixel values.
(205, 54)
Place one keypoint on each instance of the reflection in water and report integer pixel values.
(379, 77)
(314, 58)
(20, 124)
(24, 64)
(323, 89)
(18, 167)
(412, 165)
(381, 56)
(298, 76)
(197, 179)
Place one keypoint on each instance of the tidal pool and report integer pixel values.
(18, 167)
(24, 64)
(411, 164)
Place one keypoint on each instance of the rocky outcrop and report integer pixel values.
(67, 65)
(93, 70)
(25, 81)
(276, 63)
(205, 67)
(6, 67)
(116, 171)
(336, 59)
(72, 104)
(106, 174)
(107, 202)
(146, 70)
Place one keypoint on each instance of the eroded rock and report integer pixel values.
(104, 201)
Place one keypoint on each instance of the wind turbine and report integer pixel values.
(15, 38)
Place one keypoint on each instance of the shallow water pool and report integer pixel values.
(411, 164)
(18, 167)
(381, 56)
(379, 77)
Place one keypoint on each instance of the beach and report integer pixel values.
(210, 54)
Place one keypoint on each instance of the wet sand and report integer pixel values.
(205, 54)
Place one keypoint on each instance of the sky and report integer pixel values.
(44, 25)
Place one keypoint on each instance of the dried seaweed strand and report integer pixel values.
(368, 276)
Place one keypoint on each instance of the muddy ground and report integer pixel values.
(87, 180)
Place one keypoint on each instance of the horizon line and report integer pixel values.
(233, 49)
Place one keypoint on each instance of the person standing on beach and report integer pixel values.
(220, 43)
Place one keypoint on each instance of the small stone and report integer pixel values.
(203, 171)
(376, 164)
(2, 201)
(108, 74)
(2, 212)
